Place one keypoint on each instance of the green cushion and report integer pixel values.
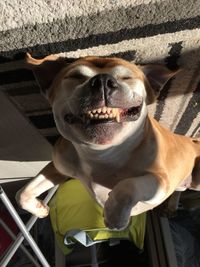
(72, 207)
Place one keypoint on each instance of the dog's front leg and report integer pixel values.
(27, 196)
(131, 197)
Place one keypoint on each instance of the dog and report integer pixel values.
(126, 160)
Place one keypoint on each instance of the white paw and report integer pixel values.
(32, 205)
(36, 207)
(41, 210)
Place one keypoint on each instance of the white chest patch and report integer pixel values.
(101, 193)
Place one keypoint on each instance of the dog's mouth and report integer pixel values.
(105, 115)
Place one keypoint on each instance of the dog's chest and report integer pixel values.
(103, 179)
(97, 174)
(108, 174)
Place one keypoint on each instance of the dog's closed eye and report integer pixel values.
(80, 73)
(76, 75)
(126, 78)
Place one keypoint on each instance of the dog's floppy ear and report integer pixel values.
(156, 77)
(45, 69)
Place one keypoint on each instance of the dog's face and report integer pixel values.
(96, 100)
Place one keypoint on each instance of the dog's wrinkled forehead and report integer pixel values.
(84, 69)
(91, 66)
(51, 71)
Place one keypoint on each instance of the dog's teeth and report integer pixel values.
(101, 116)
(114, 111)
(104, 113)
(118, 117)
(104, 109)
(109, 110)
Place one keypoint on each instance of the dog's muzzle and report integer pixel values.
(106, 102)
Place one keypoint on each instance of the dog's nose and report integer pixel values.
(104, 82)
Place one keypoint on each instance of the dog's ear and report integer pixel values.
(156, 76)
(45, 70)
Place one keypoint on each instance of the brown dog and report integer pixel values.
(126, 159)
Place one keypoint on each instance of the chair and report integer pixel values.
(77, 218)
(23, 153)
(24, 232)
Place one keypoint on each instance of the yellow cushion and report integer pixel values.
(72, 207)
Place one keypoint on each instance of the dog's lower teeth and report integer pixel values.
(101, 116)
(104, 113)
(104, 110)
(98, 116)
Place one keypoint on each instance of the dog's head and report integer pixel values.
(98, 100)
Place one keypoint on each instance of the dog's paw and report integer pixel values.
(42, 210)
(36, 207)
(116, 224)
(32, 205)
(115, 217)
